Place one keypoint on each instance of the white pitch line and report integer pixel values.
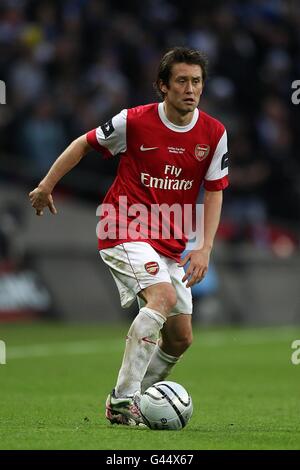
(208, 339)
(54, 349)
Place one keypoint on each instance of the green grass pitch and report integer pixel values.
(245, 389)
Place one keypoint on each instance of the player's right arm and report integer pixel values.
(108, 139)
(41, 196)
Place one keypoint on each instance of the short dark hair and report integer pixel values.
(174, 56)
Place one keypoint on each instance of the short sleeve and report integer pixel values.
(110, 138)
(216, 177)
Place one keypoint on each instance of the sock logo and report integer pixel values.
(148, 340)
(152, 267)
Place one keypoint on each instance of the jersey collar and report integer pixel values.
(174, 127)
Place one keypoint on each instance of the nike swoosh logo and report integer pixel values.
(144, 149)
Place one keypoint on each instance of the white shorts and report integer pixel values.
(136, 265)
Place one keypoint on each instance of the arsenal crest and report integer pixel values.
(152, 267)
(201, 151)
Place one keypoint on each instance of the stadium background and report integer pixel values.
(68, 67)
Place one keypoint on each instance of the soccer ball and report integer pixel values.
(166, 405)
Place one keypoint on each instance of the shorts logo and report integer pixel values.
(201, 151)
(152, 267)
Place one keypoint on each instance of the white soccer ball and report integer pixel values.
(166, 405)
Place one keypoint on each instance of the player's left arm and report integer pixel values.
(215, 181)
(199, 259)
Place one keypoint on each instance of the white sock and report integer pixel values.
(159, 368)
(140, 343)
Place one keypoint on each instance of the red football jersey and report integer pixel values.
(160, 163)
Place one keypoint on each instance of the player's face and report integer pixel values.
(185, 87)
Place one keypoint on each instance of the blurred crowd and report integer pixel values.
(70, 65)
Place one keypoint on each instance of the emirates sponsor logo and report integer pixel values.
(201, 151)
(170, 181)
(152, 267)
(165, 183)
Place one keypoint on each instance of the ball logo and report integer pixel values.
(152, 267)
(201, 151)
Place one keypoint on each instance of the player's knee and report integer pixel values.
(170, 298)
(161, 297)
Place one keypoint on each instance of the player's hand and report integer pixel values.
(198, 266)
(40, 199)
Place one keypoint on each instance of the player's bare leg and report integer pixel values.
(176, 337)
